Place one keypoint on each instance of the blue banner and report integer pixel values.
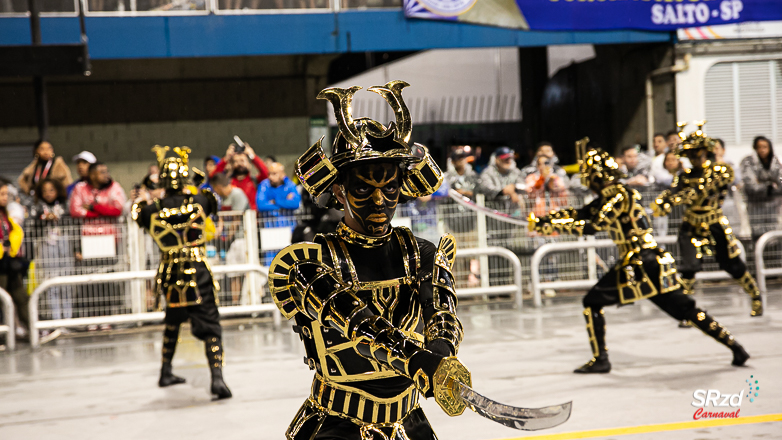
(569, 15)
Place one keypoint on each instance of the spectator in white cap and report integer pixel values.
(83, 161)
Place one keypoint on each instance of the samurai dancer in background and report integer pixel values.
(705, 230)
(184, 277)
(642, 271)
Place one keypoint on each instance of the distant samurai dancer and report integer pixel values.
(643, 269)
(705, 230)
(184, 278)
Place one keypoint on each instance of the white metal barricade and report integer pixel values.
(761, 270)
(35, 324)
(9, 315)
(515, 288)
(537, 286)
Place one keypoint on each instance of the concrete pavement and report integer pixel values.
(104, 386)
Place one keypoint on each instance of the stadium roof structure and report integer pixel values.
(220, 35)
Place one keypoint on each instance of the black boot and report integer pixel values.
(708, 325)
(214, 355)
(170, 336)
(596, 329)
(597, 364)
(167, 378)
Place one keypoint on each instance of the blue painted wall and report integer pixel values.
(288, 34)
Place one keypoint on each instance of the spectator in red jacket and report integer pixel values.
(240, 171)
(99, 196)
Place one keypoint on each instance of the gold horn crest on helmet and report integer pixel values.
(581, 149)
(680, 126)
(160, 152)
(363, 140)
(392, 93)
(342, 102)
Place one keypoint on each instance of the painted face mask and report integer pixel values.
(372, 193)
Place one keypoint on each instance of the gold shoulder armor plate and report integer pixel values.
(281, 275)
(446, 251)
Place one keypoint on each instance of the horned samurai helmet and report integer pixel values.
(175, 173)
(363, 140)
(597, 167)
(695, 140)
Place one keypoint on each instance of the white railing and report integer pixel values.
(36, 325)
(537, 286)
(761, 270)
(516, 288)
(9, 315)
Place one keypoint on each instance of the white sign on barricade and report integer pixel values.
(273, 239)
(402, 221)
(98, 246)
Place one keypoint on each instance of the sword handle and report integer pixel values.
(446, 395)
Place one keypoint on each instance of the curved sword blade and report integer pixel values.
(527, 419)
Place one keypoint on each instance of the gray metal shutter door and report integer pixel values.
(720, 103)
(755, 100)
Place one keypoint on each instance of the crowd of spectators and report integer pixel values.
(46, 197)
(44, 216)
(543, 185)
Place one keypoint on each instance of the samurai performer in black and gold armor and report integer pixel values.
(374, 305)
(705, 230)
(184, 278)
(643, 270)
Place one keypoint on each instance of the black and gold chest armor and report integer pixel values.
(704, 193)
(388, 290)
(363, 307)
(176, 224)
(619, 212)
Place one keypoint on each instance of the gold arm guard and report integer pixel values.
(667, 199)
(450, 370)
(444, 324)
(661, 205)
(565, 221)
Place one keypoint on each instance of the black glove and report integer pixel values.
(426, 362)
(440, 347)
